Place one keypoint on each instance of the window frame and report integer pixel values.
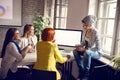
(60, 12)
(114, 49)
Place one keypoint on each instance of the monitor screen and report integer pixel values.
(68, 37)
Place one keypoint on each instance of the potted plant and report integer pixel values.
(116, 63)
(40, 22)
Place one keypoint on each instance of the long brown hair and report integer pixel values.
(26, 28)
(8, 38)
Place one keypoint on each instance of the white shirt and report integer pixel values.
(25, 41)
(10, 60)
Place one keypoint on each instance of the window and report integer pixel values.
(106, 25)
(60, 13)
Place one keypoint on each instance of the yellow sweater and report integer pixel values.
(47, 55)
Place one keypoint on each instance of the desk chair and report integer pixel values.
(43, 75)
(21, 74)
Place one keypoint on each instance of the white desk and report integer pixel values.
(65, 53)
(30, 58)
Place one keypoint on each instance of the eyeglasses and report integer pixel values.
(85, 24)
(17, 33)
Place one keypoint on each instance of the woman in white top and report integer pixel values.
(11, 53)
(28, 38)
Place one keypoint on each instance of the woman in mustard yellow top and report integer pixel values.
(48, 53)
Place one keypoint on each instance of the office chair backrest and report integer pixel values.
(43, 75)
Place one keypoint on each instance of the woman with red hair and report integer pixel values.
(48, 53)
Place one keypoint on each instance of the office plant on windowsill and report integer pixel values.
(40, 22)
(116, 63)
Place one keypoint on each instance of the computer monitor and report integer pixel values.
(68, 37)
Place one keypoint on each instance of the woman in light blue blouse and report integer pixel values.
(89, 48)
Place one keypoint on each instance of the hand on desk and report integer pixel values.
(68, 56)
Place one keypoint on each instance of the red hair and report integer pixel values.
(48, 34)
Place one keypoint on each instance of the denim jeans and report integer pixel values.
(83, 60)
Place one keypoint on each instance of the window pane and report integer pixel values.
(61, 23)
(99, 26)
(106, 44)
(110, 27)
(101, 8)
(61, 11)
(57, 11)
(107, 10)
(111, 9)
(64, 12)
(57, 23)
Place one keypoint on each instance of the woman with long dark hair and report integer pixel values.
(11, 52)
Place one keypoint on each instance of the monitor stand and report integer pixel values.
(66, 48)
